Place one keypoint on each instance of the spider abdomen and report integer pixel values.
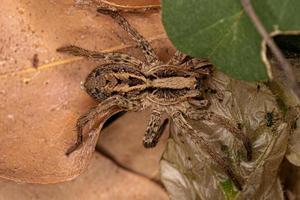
(168, 96)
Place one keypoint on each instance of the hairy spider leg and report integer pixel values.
(200, 104)
(178, 58)
(109, 104)
(142, 43)
(154, 130)
(94, 55)
(185, 61)
(196, 138)
(237, 133)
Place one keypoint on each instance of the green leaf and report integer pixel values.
(228, 189)
(222, 32)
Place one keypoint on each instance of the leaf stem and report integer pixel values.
(287, 68)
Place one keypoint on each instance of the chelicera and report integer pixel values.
(176, 88)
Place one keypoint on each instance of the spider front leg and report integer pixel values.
(143, 44)
(109, 57)
(105, 109)
(178, 58)
(154, 130)
(199, 65)
(196, 138)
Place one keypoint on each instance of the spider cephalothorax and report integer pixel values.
(176, 88)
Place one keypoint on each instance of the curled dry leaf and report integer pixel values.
(290, 176)
(103, 180)
(290, 46)
(293, 153)
(112, 183)
(39, 106)
(188, 174)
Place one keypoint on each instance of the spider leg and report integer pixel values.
(94, 55)
(185, 61)
(234, 130)
(142, 43)
(239, 134)
(219, 94)
(178, 58)
(198, 139)
(105, 109)
(154, 129)
(199, 103)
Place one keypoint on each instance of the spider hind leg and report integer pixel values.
(196, 138)
(227, 124)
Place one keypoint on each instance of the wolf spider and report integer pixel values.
(176, 88)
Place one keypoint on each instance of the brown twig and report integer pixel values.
(287, 68)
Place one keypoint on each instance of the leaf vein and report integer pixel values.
(238, 15)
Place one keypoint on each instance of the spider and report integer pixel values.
(176, 88)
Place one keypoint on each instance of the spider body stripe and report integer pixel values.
(177, 89)
(160, 85)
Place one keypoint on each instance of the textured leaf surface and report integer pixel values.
(290, 45)
(189, 174)
(221, 31)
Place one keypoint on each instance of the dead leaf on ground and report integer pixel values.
(102, 180)
(39, 106)
(122, 140)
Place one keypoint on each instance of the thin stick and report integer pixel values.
(287, 68)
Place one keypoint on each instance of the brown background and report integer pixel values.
(39, 106)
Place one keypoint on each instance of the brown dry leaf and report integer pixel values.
(188, 174)
(103, 180)
(293, 151)
(122, 140)
(39, 107)
(290, 177)
(285, 95)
